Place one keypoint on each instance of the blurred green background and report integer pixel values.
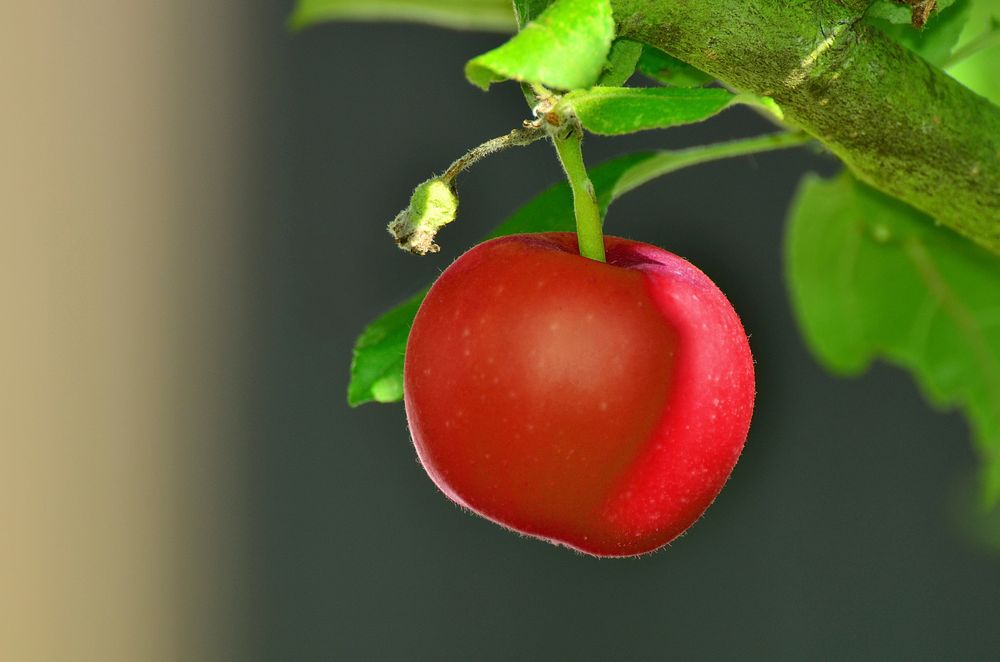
(193, 208)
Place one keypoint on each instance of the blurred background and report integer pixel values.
(192, 204)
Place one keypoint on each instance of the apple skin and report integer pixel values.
(597, 406)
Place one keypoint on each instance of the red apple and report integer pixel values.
(598, 406)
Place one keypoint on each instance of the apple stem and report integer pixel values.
(585, 207)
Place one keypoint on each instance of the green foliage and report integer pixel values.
(552, 210)
(668, 161)
(938, 37)
(493, 15)
(564, 48)
(978, 525)
(377, 367)
(873, 278)
(898, 12)
(979, 47)
(622, 60)
(528, 10)
(668, 70)
(620, 110)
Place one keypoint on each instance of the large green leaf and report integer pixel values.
(620, 110)
(492, 15)
(564, 48)
(938, 37)
(873, 278)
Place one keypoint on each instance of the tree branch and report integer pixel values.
(901, 124)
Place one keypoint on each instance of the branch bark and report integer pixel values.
(899, 123)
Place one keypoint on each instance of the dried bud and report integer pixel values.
(433, 205)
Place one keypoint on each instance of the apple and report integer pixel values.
(601, 406)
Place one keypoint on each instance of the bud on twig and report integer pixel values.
(433, 205)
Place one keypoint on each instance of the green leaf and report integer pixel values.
(552, 210)
(619, 110)
(873, 278)
(492, 15)
(899, 12)
(978, 525)
(936, 40)
(668, 70)
(978, 71)
(621, 63)
(528, 10)
(564, 48)
(377, 368)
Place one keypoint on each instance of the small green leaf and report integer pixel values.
(528, 10)
(900, 12)
(377, 368)
(979, 525)
(990, 484)
(978, 70)
(668, 70)
(621, 63)
(491, 15)
(619, 110)
(938, 37)
(873, 278)
(564, 48)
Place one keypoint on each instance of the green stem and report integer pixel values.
(588, 214)
(516, 138)
(662, 163)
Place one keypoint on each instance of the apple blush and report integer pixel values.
(600, 406)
